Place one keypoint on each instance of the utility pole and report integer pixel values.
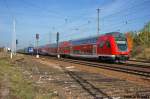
(98, 29)
(57, 40)
(13, 49)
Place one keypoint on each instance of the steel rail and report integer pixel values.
(110, 67)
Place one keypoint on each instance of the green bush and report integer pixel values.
(141, 43)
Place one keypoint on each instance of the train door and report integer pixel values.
(107, 48)
(94, 49)
(71, 49)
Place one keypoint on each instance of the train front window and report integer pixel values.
(122, 46)
(101, 44)
(108, 44)
(121, 41)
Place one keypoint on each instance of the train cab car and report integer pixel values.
(109, 46)
(113, 46)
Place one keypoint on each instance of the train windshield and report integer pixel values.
(121, 42)
(122, 45)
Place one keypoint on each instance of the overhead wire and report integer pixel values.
(81, 26)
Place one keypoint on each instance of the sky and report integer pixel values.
(71, 18)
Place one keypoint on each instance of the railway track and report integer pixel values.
(100, 62)
(136, 69)
(87, 86)
(142, 61)
(137, 65)
(139, 70)
(124, 64)
(127, 69)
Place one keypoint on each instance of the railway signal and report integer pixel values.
(37, 36)
(16, 42)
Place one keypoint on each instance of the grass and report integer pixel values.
(19, 88)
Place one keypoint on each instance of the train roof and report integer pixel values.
(116, 34)
(53, 45)
(93, 39)
(110, 33)
(86, 40)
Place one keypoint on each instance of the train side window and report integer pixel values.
(108, 44)
(101, 44)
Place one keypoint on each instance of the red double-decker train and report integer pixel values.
(109, 46)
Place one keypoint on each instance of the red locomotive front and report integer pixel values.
(110, 46)
(113, 46)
